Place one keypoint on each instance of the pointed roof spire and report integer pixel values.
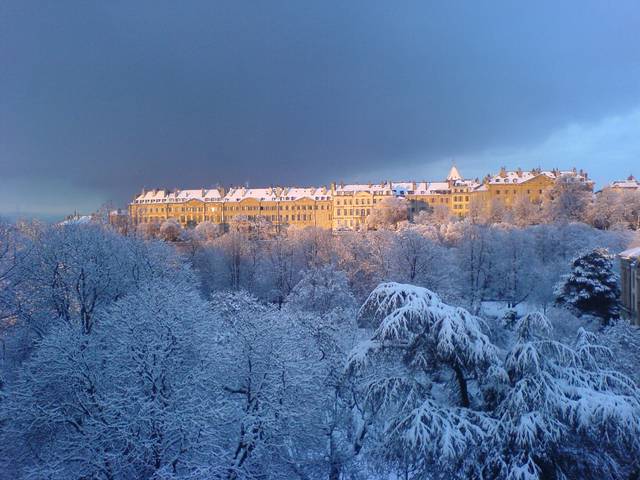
(454, 174)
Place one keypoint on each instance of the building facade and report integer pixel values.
(278, 206)
(509, 186)
(631, 184)
(341, 206)
(630, 280)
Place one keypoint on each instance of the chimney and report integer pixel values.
(519, 172)
(503, 172)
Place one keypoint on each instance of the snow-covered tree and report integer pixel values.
(419, 260)
(436, 215)
(131, 400)
(261, 367)
(565, 414)
(568, 200)
(495, 211)
(592, 286)
(623, 339)
(11, 260)
(388, 213)
(279, 271)
(422, 380)
(475, 256)
(207, 231)
(314, 245)
(321, 290)
(148, 230)
(170, 230)
(525, 212)
(233, 247)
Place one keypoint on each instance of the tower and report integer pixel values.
(453, 174)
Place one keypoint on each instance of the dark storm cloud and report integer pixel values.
(111, 96)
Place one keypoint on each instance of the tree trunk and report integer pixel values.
(462, 384)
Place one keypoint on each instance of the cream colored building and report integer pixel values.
(299, 207)
(628, 185)
(507, 186)
(342, 206)
(188, 207)
(455, 193)
(290, 206)
(352, 203)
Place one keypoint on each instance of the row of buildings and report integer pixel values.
(340, 206)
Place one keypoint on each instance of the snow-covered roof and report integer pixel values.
(454, 174)
(242, 193)
(432, 188)
(521, 176)
(631, 253)
(277, 194)
(296, 193)
(77, 220)
(350, 188)
(629, 184)
(162, 195)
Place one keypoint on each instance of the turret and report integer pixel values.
(454, 174)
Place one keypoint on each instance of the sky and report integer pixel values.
(101, 99)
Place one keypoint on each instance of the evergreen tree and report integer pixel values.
(592, 286)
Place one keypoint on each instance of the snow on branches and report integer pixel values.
(592, 286)
(561, 402)
(425, 367)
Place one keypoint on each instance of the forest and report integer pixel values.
(437, 349)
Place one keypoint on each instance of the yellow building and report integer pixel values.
(455, 193)
(299, 207)
(341, 207)
(507, 186)
(628, 185)
(352, 203)
(188, 207)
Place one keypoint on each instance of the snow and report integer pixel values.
(454, 174)
(243, 359)
(373, 188)
(164, 196)
(78, 220)
(276, 194)
(517, 177)
(629, 184)
(631, 253)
